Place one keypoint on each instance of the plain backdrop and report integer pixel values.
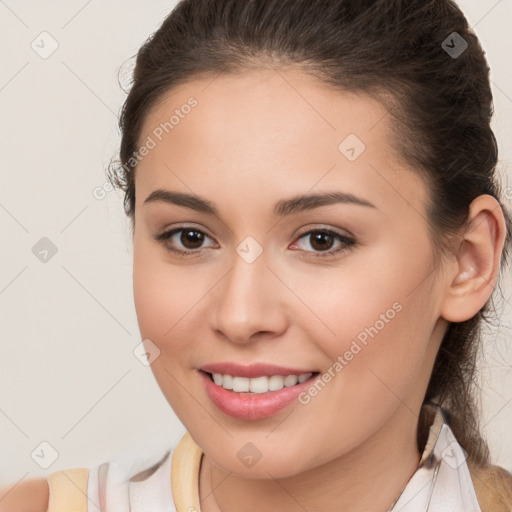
(72, 392)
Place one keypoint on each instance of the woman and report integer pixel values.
(317, 232)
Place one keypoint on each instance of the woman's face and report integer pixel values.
(340, 285)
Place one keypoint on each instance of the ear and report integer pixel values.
(474, 271)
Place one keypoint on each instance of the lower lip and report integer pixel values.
(252, 406)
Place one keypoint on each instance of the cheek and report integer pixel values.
(163, 294)
(150, 300)
(161, 303)
(170, 303)
(374, 323)
(374, 368)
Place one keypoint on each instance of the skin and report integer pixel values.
(31, 495)
(254, 139)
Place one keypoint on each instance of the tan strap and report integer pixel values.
(68, 490)
(186, 461)
(493, 487)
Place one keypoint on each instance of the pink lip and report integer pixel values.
(253, 370)
(253, 406)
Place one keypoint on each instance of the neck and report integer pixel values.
(367, 478)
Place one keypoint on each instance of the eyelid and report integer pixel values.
(168, 233)
(324, 227)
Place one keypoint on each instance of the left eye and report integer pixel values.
(323, 240)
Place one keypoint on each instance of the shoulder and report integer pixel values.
(131, 480)
(29, 496)
(493, 487)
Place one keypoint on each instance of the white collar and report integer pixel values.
(442, 480)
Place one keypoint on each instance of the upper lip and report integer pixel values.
(252, 370)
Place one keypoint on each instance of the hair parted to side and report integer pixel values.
(390, 49)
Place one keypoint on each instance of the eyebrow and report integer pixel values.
(282, 208)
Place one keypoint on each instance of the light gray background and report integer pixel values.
(68, 375)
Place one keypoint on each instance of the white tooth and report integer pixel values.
(275, 383)
(240, 384)
(291, 380)
(258, 385)
(227, 382)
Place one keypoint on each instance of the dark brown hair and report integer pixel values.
(395, 50)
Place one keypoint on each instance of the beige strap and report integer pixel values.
(493, 487)
(68, 490)
(186, 461)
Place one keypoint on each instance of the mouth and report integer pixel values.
(258, 385)
(254, 398)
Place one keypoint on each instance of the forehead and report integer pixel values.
(269, 132)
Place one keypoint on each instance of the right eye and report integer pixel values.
(191, 238)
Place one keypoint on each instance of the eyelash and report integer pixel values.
(347, 243)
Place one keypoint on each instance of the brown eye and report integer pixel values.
(191, 238)
(184, 241)
(322, 241)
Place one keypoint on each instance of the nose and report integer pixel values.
(248, 303)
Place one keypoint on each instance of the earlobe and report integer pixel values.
(478, 259)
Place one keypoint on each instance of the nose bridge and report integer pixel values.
(247, 301)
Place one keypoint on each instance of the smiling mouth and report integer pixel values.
(258, 385)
